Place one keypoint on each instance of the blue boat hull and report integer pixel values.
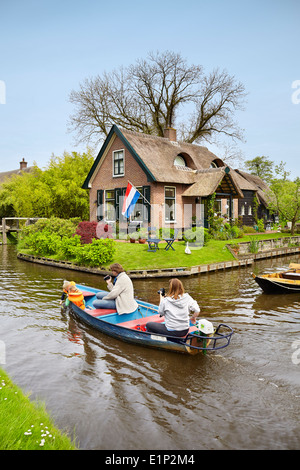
(111, 324)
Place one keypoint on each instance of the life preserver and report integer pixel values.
(77, 298)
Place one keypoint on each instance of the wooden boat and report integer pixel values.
(285, 282)
(131, 327)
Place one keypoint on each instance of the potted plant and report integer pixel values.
(133, 237)
(143, 234)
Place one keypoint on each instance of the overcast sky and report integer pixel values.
(47, 48)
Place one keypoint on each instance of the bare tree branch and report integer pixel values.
(148, 95)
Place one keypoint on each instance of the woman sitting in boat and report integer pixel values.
(121, 295)
(75, 296)
(176, 308)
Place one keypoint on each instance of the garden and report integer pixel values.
(95, 245)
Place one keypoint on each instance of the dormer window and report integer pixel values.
(179, 161)
(217, 163)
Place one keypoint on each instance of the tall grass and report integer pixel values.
(26, 425)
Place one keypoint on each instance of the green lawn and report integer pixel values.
(135, 256)
(26, 425)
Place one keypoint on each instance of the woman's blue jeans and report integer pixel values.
(100, 303)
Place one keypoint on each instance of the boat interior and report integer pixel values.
(291, 276)
(136, 320)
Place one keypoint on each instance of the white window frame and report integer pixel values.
(174, 219)
(105, 204)
(113, 163)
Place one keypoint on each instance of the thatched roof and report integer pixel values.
(214, 179)
(159, 154)
(8, 174)
(156, 156)
(257, 183)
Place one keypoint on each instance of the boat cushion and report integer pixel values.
(88, 294)
(98, 312)
(141, 321)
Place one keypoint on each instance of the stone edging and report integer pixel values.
(141, 273)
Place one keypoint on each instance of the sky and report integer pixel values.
(47, 48)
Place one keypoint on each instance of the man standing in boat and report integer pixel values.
(121, 295)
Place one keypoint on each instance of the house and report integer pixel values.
(254, 190)
(175, 180)
(8, 174)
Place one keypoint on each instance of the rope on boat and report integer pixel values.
(148, 308)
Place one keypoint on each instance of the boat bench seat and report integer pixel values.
(98, 312)
(140, 323)
(88, 294)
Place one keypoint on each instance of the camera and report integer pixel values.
(162, 291)
(106, 278)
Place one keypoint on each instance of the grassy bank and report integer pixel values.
(135, 256)
(26, 425)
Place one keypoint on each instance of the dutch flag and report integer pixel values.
(131, 196)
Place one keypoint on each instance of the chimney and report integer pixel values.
(23, 164)
(170, 134)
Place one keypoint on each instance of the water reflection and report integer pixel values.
(122, 396)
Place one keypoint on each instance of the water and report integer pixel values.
(112, 395)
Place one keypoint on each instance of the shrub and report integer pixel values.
(261, 225)
(42, 243)
(198, 235)
(248, 229)
(68, 246)
(97, 253)
(87, 231)
(55, 237)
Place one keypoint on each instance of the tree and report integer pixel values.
(148, 95)
(284, 198)
(260, 166)
(53, 192)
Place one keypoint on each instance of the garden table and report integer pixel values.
(170, 241)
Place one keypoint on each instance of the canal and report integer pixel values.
(112, 395)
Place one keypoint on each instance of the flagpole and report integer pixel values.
(139, 192)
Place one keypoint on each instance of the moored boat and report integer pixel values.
(284, 282)
(131, 327)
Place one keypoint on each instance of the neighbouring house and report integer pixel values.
(254, 190)
(8, 174)
(175, 180)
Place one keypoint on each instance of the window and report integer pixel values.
(170, 200)
(179, 161)
(118, 163)
(110, 204)
(217, 207)
(228, 207)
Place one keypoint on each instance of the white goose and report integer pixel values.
(187, 250)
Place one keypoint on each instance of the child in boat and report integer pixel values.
(75, 296)
(176, 307)
(66, 287)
